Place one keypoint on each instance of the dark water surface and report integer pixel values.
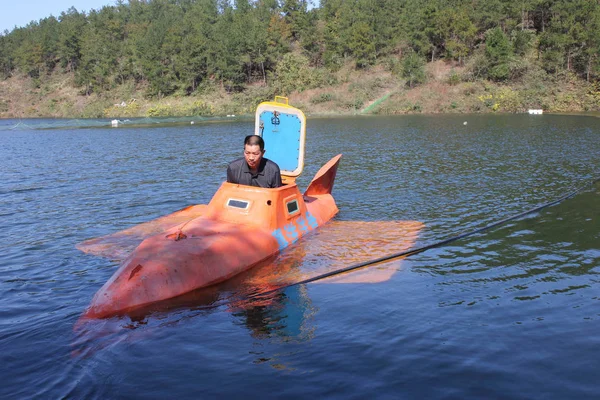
(511, 313)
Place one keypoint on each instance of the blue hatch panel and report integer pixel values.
(283, 128)
(281, 134)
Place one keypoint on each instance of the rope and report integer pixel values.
(422, 249)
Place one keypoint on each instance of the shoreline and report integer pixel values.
(218, 119)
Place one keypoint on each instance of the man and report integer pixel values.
(253, 169)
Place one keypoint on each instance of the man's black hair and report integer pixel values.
(253, 140)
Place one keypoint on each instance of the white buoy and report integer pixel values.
(464, 123)
(192, 123)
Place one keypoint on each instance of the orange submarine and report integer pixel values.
(242, 226)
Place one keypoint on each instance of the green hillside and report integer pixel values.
(215, 57)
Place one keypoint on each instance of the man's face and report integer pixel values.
(253, 155)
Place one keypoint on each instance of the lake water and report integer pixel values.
(509, 313)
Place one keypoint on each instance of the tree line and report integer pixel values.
(181, 46)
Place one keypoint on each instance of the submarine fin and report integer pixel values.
(322, 183)
(336, 245)
(119, 245)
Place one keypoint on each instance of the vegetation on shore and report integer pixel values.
(214, 57)
(373, 91)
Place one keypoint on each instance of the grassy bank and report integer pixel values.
(374, 91)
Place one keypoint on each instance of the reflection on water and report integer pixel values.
(281, 315)
(285, 315)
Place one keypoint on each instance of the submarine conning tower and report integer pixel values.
(283, 129)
